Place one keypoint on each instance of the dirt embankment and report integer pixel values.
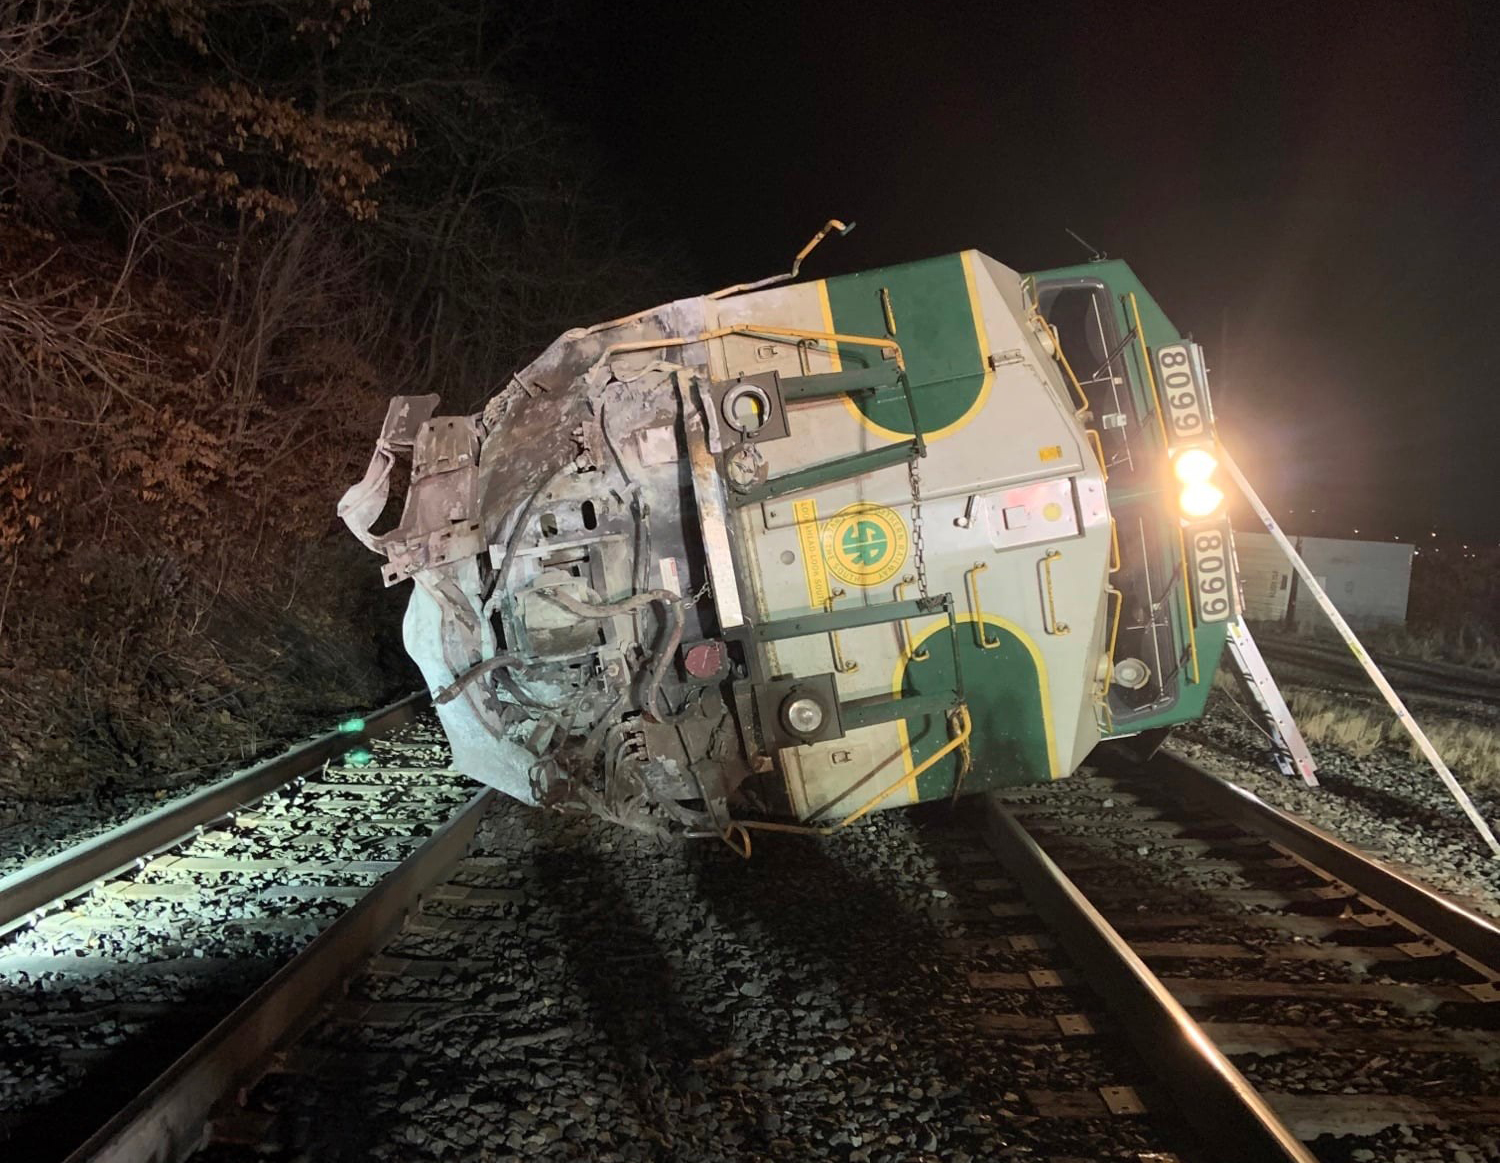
(177, 594)
(230, 230)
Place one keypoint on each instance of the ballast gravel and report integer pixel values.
(1390, 805)
(139, 968)
(638, 1002)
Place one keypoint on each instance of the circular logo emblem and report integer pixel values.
(864, 544)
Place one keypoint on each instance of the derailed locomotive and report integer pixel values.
(794, 551)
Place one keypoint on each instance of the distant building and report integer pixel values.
(1367, 580)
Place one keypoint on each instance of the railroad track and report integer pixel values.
(1407, 675)
(932, 986)
(123, 951)
(572, 991)
(1359, 1005)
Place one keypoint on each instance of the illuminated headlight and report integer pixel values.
(1200, 499)
(803, 715)
(1194, 466)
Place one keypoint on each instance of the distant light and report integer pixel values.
(1356, 530)
(1432, 535)
(352, 726)
(359, 757)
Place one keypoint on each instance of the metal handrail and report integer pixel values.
(971, 581)
(903, 631)
(1053, 626)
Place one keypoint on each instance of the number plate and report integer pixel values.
(1213, 579)
(1183, 382)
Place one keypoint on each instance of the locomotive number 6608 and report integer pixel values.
(1213, 581)
(1181, 376)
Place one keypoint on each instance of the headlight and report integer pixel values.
(1194, 466)
(1200, 499)
(803, 715)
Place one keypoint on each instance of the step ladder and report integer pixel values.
(1267, 706)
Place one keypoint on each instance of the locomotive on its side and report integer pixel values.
(792, 552)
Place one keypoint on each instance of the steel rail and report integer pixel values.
(1417, 676)
(166, 1122)
(24, 892)
(1212, 1095)
(1468, 932)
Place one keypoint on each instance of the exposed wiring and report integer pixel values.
(455, 688)
(673, 605)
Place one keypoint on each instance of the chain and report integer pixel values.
(918, 546)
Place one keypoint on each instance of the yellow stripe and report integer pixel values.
(835, 360)
(1166, 442)
(805, 513)
(1043, 681)
(984, 361)
(1187, 601)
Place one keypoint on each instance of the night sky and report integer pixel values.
(1310, 189)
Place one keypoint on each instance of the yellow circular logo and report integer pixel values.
(864, 544)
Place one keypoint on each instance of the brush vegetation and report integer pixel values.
(1360, 730)
(230, 230)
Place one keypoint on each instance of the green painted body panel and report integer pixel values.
(935, 328)
(1158, 329)
(1009, 744)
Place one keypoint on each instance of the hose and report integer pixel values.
(673, 606)
(453, 689)
(513, 542)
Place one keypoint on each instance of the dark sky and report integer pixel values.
(1317, 183)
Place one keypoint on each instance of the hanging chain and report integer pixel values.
(918, 547)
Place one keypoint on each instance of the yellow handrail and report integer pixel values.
(1114, 545)
(1102, 699)
(1114, 629)
(1187, 600)
(1056, 627)
(839, 664)
(1083, 400)
(965, 729)
(1097, 441)
(971, 582)
(882, 342)
(903, 632)
(1140, 336)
